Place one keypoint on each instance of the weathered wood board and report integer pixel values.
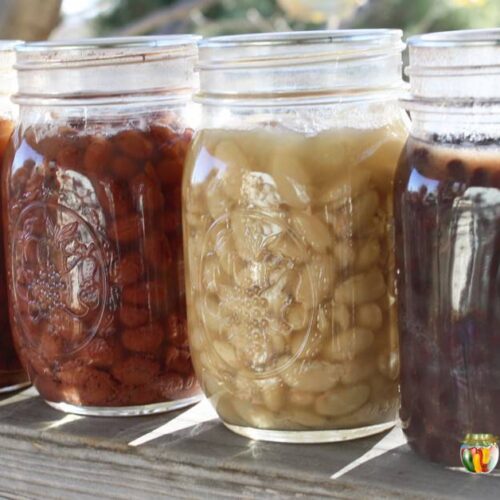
(47, 454)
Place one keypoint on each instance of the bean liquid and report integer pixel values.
(290, 276)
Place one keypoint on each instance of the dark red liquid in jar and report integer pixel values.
(94, 249)
(11, 371)
(447, 208)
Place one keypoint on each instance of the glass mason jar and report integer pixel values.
(288, 232)
(12, 375)
(92, 209)
(447, 206)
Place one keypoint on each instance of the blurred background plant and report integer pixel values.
(38, 19)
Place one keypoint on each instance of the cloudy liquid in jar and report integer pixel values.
(448, 251)
(290, 276)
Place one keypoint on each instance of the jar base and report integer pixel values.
(14, 387)
(323, 436)
(124, 411)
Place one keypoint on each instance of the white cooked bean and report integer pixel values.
(324, 320)
(367, 255)
(312, 230)
(291, 180)
(349, 344)
(235, 164)
(313, 376)
(383, 390)
(388, 364)
(341, 316)
(196, 338)
(369, 316)
(322, 272)
(195, 194)
(226, 352)
(344, 254)
(356, 216)
(196, 221)
(211, 273)
(273, 394)
(357, 370)
(216, 201)
(306, 418)
(345, 188)
(288, 248)
(210, 313)
(252, 235)
(211, 384)
(246, 388)
(315, 281)
(256, 352)
(279, 344)
(342, 400)
(194, 261)
(225, 410)
(258, 190)
(301, 398)
(255, 415)
(276, 296)
(252, 274)
(328, 155)
(297, 316)
(368, 414)
(306, 346)
(226, 252)
(364, 287)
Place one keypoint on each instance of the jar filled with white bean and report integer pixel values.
(288, 233)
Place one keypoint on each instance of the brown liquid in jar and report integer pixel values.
(95, 251)
(447, 207)
(288, 245)
(11, 371)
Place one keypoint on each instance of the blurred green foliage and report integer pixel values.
(127, 11)
(239, 8)
(419, 16)
(234, 16)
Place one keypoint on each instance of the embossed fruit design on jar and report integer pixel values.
(288, 237)
(447, 205)
(92, 206)
(12, 375)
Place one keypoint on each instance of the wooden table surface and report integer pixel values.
(189, 454)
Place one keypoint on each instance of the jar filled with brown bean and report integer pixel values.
(92, 209)
(288, 233)
(12, 375)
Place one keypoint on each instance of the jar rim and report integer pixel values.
(97, 51)
(457, 38)
(87, 71)
(10, 45)
(305, 37)
(299, 66)
(458, 67)
(131, 42)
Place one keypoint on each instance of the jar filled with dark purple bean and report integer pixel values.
(447, 206)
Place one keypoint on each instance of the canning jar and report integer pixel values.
(92, 209)
(12, 375)
(447, 205)
(287, 229)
